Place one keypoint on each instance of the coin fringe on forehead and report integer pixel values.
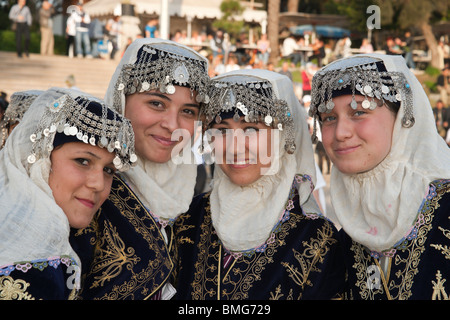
(157, 68)
(255, 101)
(364, 76)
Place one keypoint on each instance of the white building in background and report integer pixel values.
(189, 15)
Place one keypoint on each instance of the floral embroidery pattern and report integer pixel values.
(413, 232)
(39, 264)
(412, 247)
(11, 289)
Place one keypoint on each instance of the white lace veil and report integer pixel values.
(245, 216)
(166, 189)
(379, 207)
(32, 225)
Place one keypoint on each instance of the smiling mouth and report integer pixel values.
(167, 142)
(242, 163)
(88, 203)
(346, 150)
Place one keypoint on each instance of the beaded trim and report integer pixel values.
(159, 69)
(73, 118)
(255, 101)
(363, 77)
(39, 264)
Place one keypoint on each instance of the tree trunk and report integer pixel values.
(273, 12)
(292, 5)
(432, 44)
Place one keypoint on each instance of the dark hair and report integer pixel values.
(394, 107)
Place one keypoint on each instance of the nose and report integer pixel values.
(95, 180)
(343, 129)
(170, 120)
(237, 144)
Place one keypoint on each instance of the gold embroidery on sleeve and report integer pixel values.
(11, 289)
(438, 288)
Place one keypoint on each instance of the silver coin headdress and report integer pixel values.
(255, 101)
(364, 76)
(158, 68)
(19, 103)
(87, 120)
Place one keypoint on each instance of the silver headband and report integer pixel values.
(80, 120)
(20, 102)
(156, 68)
(362, 76)
(255, 101)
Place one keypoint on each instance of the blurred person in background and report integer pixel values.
(21, 17)
(46, 27)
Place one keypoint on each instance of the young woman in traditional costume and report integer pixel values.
(159, 85)
(390, 184)
(56, 170)
(259, 233)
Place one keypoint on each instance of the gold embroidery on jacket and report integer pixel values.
(14, 289)
(399, 287)
(438, 288)
(209, 281)
(445, 249)
(314, 253)
(112, 254)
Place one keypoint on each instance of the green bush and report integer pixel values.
(8, 42)
(432, 71)
(431, 85)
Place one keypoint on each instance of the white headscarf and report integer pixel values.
(32, 225)
(379, 207)
(166, 189)
(244, 217)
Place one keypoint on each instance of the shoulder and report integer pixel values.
(314, 223)
(440, 188)
(197, 209)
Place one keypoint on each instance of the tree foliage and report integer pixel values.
(228, 22)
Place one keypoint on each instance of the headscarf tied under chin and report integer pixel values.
(32, 225)
(378, 208)
(244, 216)
(166, 189)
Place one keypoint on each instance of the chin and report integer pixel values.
(162, 157)
(242, 181)
(80, 224)
(351, 170)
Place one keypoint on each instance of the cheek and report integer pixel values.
(379, 135)
(62, 180)
(141, 118)
(327, 137)
(105, 193)
(187, 125)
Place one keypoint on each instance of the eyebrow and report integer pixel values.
(88, 153)
(160, 95)
(93, 155)
(226, 121)
(163, 96)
